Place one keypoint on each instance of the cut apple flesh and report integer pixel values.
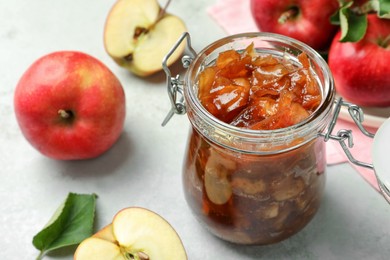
(144, 231)
(137, 38)
(154, 45)
(216, 179)
(123, 20)
(135, 233)
(98, 249)
(217, 185)
(106, 234)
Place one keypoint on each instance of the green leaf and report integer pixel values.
(384, 9)
(335, 18)
(71, 223)
(353, 26)
(353, 19)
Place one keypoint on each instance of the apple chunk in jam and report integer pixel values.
(260, 92)
(256, 197)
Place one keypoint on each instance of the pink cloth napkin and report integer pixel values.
(234, 16)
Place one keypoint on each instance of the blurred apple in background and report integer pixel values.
(362, 69)
(70, 106)
(139, 33)
(305, 20)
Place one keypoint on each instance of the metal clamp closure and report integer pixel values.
(345, 137)
(175, 84)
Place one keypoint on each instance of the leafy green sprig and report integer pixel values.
(352, 17)
(71, 223)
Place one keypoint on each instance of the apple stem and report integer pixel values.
(368, 7)
(291, 13)
(385, 43)
(65, 114)
(163, 11)
(39, 257)
(161, 14)
(142, 30)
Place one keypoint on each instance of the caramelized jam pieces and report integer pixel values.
(259, 91)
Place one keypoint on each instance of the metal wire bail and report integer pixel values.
(175, 84)
(345, 137)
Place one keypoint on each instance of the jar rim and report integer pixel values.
(328, 92)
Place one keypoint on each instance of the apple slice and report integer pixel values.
(138, 34)
(98, 249)
(106, 234)
(135, 233)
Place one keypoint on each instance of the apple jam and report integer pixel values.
(260, 92)
(254, 168)
(252, 199)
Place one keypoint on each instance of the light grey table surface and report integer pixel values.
(144, 167)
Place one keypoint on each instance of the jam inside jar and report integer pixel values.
(251, 185)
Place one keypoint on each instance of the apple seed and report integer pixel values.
(138, 256)
(143, 256)
(128, 57)
(138, 31)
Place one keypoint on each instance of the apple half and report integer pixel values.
(138, 34)
(135, 233)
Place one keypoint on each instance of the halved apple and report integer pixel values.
(135, 233)
(106, 234)
(138, 34)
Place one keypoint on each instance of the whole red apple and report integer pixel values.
(305, 20)
(70, 106)
(362, 69)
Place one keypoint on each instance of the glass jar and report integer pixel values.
(253, 186)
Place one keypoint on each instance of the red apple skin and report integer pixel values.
(80, 84)
(361, 70)
(311, 26)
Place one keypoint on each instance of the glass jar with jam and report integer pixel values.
(259, 105)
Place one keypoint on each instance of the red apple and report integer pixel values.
(306, 21)
(70, 106)
(362, 69)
